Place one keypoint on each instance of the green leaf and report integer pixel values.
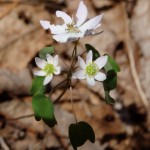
(95, 52)
(79, 133)
(111, 65)
(43, 109)
(50, 122)
(111, 80)
(37, 86)
(46, 50)
(108, 98)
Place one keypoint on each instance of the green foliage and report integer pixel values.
(111, 80)
(112, 65)
(108, 98)
(43, 109)
(95, 52)
(79, 133)
(37, 86)
(46, 50)
(112, 68)
(42, 105)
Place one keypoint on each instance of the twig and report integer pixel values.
(21, 117)
(130, 49)
(3, 144)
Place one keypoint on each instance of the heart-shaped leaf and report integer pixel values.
(46, 50)
(95, 52)
(37, 86)
(43, 109)
(108, 98)
(111, 80)
(79, 133)
(111, 65)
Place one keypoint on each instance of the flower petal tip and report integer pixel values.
(45, 24)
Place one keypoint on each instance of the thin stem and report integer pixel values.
(58, 98)
(73, 59)
(21, 117)
(57, 86)
(74, 53)
(64, 62)
(73, 105)
(77, 60)
(130, 49)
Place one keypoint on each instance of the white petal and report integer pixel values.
(79, 75)
(89, 57)
(68, 37)
(81, 62)
(55, 60)
(58, 29)
(101, 61)
(76, 35)
(96, 33)
(40, 62)
(97, 26)
(100, 76)
(45, 24)
(49, 58)
(67, 19)
(47, 79)
(90, 81)
(91, 24)
(57, 70)
(39, 73)
(62, 38)
(55, 29)
(81, 13)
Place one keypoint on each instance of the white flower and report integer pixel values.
(90, 69)
(48, 67)
(73, 29)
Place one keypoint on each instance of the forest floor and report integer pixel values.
(126, 37)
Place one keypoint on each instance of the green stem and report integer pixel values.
(57, 86)
(73, 60)
(74, 55)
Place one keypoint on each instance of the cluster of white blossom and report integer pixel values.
(72, 30)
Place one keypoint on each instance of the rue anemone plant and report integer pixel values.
(95, 68)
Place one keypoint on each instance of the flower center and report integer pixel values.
(49, 69)
(72, 28)
(91, 69)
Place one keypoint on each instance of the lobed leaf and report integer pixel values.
(46, 50)
(111, 80)
(95, 52)
(37, 85)
(108, 98)
(43, 109)
(111, 65)
(79, 133)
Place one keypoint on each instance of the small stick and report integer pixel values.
(72, 105)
